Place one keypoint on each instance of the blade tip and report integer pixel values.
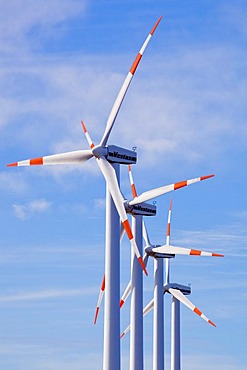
(212, 323)
(84, 127)
(217, 255)
(143, 265)
(15, 164)
(96, 315)
(207, 177)
(156, 25)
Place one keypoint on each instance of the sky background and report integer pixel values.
(185, 111)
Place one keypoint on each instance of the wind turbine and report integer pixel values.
(177, 291)
(108, 158)
(138, 207)
(136, 289)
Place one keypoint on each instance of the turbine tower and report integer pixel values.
(108, 158)
(138, 208)
(177, 291)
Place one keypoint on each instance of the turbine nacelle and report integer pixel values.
(149, 250)
(116, 154)
(186, 290)
(142, 209)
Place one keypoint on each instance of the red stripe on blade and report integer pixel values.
(121, 303)
(170, 208)
(197, 311)
(206, 177)
(211, 322)
(180, 184)
(135, 64)
(155, 26)
(36, 161)
(133, 191)
(142, 265)
(12, 164)
(195, 252)
(103, 284)
(127, 228)
(96, 315)
(168, 232)
(217, 255)
(84, 127)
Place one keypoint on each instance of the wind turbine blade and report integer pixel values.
(89, 140)
(146, 310)
(102, 289)
(101, 293)
(168, 234)
(118, 102)
(128, 289)
(125, 331)
(78, 156)
(111, 180)
(169, 249)
(179, 295)
(125, 294)
(147, 195)
(148, 307)
(133, 188)
(145, 259)
(168, 230)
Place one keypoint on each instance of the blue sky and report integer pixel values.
(63, 61)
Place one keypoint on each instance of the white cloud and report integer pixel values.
(45, 294)
(178, 110)
(13, 182)
(20, 211)
(24, 211)
(20, 18)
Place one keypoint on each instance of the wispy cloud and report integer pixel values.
(24, 211)
(45, 294)
(13, 182)
(22, 18)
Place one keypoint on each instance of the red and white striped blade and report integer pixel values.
(169, 249)
(125, 294)
(179, 295)
(150, 194)
(125, 332)
(101, 293)
(168, 230)
(146, 310)
(89, 140)
(128, 289)
(124, 88)
(111, 180)
(78, 156)
(102, 289)
(132, 184)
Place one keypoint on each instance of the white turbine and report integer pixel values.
(138, 208)
(177, 291)
(108, 158)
